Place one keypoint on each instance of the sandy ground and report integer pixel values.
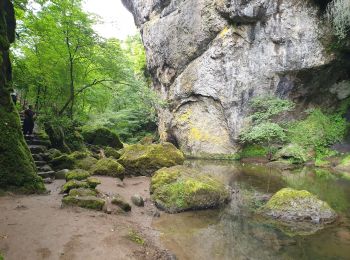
(36, 227)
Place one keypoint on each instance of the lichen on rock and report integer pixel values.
(180, 188)
(141, 159)
(291, 205)
(108, 167)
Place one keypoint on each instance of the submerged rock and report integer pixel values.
(109, 167)
(141, 159)
(291, 205)
(180, 188)
(90, 202)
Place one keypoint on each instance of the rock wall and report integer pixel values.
(209, 58)
(17, 169)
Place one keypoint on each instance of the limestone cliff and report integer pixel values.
(208, 58)
(17, 169)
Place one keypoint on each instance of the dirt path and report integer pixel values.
(36, 227)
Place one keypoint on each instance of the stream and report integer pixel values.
(236, 232)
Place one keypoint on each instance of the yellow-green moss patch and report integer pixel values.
(77, 175)
(89, 202)
(109, 167)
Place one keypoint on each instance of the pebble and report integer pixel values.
(137, 200)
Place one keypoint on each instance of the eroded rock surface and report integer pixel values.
(208, 59)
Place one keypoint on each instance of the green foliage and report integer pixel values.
(318, 131)
(263, 109)
(263, 133)
(253, 151)
(338, 12)
(294, 153)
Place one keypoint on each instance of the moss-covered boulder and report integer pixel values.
(108, 167)
(294, 153)
(79, 155)
(180, 188)
(89, 202)
(141, 159)
(121, 202)
(86, 163)
(111, 152)
(93, 182)
(74, 184)
(63, 162)
(291, 205)
(53, 153)
(57, 137)
(102, 136)
(81, 192)
(77, 174)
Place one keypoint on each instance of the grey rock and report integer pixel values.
(61, 175)
(137, 200)
(208, 59)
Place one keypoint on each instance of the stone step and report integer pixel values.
(44, 168)
(37, 157)
(44, 175)
(38, 142)
(40, 163)
(36, 149)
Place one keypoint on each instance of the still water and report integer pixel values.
(236, 232)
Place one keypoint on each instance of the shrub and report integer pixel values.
(264, 133)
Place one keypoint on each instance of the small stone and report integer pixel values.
(120, 202)
(48, 180)
(137, 200)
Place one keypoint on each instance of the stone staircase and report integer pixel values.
(38, 147)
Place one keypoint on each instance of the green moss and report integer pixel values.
(283, 198)
(120, 202)
(53, 153)
(79, 155)
(179, 188)
(89, 202)
(17, 169)
(93, 182)
(86, 163)
(1, 257)
(294, 153)
(145, 159)
(111, 152)
(63, 162)
(253, 151)
(102, 136)
(74, 184)
(77, 175)
(135, 237)
(81, 192)
(109, 167)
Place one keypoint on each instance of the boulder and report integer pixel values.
(63, 162)
(90, 202)
(102, 136)
(81, 192)
(111, 152)
(61, 175)
(74, 184)
(93, 182)
(137, 200)
(77, 174)
(86, 163)
(108, 167)
(53, 153)
(294, 153)
(180, 188)
(120, 202)
(145, 159)
(289, 205)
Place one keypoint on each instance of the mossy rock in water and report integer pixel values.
(77, 174)
(120, 202)
(89, 202)
(108, 167)
(291, 205)
(111, 152)
(146, 159)
(86, 163)
(74, 184)
(102, 136)
(180, 188)
(81, 192)
(93, 182)
(344, 166)
(294, 153)
(63, 162)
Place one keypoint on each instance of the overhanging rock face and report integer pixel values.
(209, 58)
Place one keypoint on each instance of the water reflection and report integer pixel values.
(235, 232)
